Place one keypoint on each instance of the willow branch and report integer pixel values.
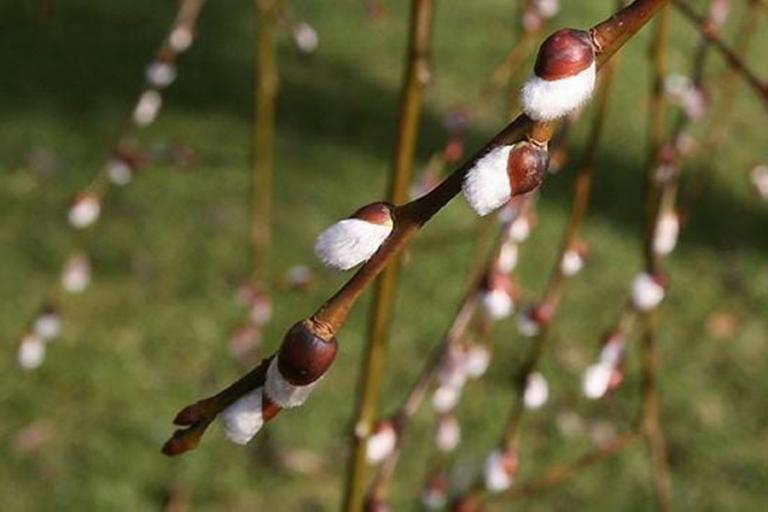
(417, 77)
(722, 116)
(607, 37)
(732, 58)
(265, 93)
(650, 409)
(561, 473)
(557, 280)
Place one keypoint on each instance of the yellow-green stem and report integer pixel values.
(417, 76)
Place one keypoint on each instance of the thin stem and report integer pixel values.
(557, 280)
(265, 93)
(410, 217)
(560, 473)
(723, 114)
(417, 77)
(732, 58)
(654, 194)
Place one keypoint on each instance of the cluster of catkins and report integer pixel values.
(563, 80)
(86, 207)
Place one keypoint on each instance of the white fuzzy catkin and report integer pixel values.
(507, 260)
(448, 434)
(545, 100)
(84, 211)
(381, 444)
(665, 236)
(526, 325)
(261, 310)
(613, 351)
(180, 39)
(445, 398)
(243, 419)
(486, 185)
(520, 229)
(305, 37)
(477, 358)
(497, 476)
(536, 391)
(76, 274)
(281, 392)
(350, 242)
(497, 303)
(47, 326)
(572, 262)
(160, 74)
(646, 292)
(147, 108)
(759, 178)
(119, 172)
(596, 380)
(31, 352)
(434, 498)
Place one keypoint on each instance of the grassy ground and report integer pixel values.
(150, 335)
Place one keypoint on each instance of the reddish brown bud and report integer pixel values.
(542, 313)
(376, 213)
(304, 356)
(464, 504)
(563, 54)
(189, 415)
(526, 167)
(375, 505)
(181, 441)
(269, 409)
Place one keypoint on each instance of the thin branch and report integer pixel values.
(560, 473)
(417, 77)
(654, 205)
(607, 37)
(724, 112)
(265, 93)
(732, 58)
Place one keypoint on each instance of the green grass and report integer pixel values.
(150, 334)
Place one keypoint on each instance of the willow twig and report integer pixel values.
(557, 280)
(729, 80)
(560, 473)
(654, 193)
(265, 93)
(417, 76)
(732, 58)
(607, 37)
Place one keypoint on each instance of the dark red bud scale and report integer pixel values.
(375, 505)
(269, 409)
(375, 213)
(564, 53)
(526, 167)
(542, 313)
(304, 356)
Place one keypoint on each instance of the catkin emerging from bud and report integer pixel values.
(564, 76)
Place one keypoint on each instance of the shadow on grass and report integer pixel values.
(91, 55)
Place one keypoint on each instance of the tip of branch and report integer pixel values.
(189, 415)
(182, 441)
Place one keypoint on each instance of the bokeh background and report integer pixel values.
(83, 432)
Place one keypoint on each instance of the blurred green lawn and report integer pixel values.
(150, 334)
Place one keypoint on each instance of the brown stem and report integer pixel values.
(265, 93)
(411, 216)
(417, 77)
(731, 57)
(557, 280)
(654, 194)
(186, 16)
(722, 116)
(561, 473)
